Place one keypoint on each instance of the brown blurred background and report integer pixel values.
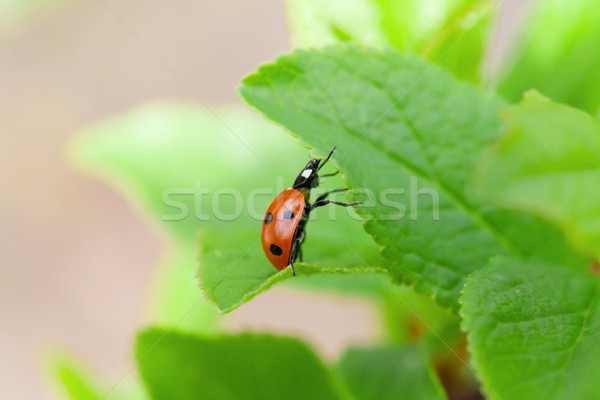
(76, 261)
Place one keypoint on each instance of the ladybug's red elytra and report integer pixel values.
(283, 227)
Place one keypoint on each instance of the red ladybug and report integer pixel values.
(285, 220)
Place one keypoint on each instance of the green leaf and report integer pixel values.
(232, 275)
(401, 124)
(180, 366)
(558, 54)
(534, 330)
(388, 373)
(76, 382)
(548, 164)
(453, 33)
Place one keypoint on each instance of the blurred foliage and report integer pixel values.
(171, 159)
(135, 153)
(558, 54)
(321, 23)
(174, 296)
(75, 381)
(560, 179)
(16, 14)
(223, 367)
(453, 33)
(389, 373)
(413, 319)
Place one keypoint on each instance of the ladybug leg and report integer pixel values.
(324, 195)
(320, 203)
(332, 174)
(293, 253)
(321, 200)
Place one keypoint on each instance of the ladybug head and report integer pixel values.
(308, 177)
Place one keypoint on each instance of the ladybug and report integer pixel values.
(283, 228)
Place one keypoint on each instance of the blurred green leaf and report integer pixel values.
(534, 330)
(558, 54)
(388, 373)
(413, 318)
(77, 383)
(459, 44)
(549, 164)
(14, 14)
(185, 166)
(321, 23)
(176, 298)
(453, 32)
(406, 128)
(180, 366)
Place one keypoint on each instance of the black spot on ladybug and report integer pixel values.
(268, 218)
(276, 250)
(288, 215)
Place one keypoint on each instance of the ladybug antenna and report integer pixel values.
(327, 159)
